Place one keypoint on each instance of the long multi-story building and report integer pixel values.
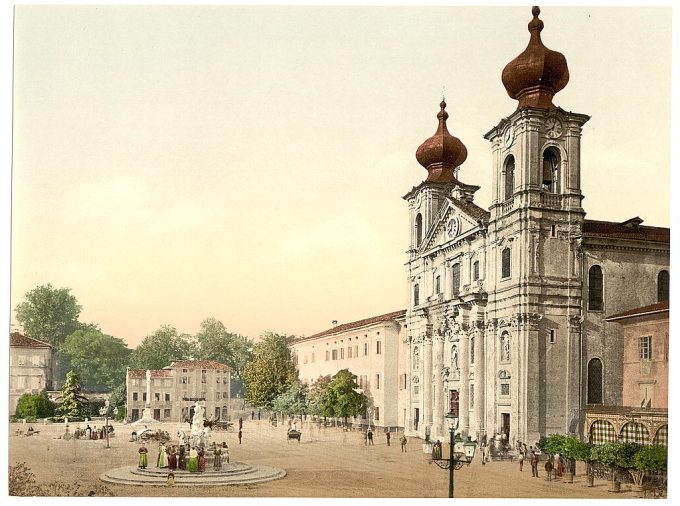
(170, 393)
(369, 348)
(31, 367)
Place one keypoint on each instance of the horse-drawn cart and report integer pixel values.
(293, 434)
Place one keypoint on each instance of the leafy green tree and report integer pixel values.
(98, 359)
(271, 371)
(72, 404)
(118, 399)
(49, 314)
(648, 459)
(343, 398)
(293, 401)
(34, 406)
(162, 348)
(317, 398)
(215, 342)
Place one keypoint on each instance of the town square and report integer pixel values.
(340, 252)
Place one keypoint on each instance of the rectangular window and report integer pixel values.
(475, 270)
(185, 380)
(328, 355)
(378, 347)
(553, 231)
(135, 396)
(157, 396)
(342, 353)
(505, 388)
(225, 395)
(334, 354)
(552, 335)
(416, 295)
(144, 396)
(167, 397)
(349, 352)
(455, 277)
(472, 396)
(416, 389)
(505, 263)
(166, 413)
(356, 350)
(365, 349)
(437, 285)
(184, 371)
(377, 413)
(646, 348)
(377, 381)
(203, 377)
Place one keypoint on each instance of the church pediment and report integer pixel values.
(457, 219)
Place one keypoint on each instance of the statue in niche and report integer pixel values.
(454, 357)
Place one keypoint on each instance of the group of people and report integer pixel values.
(92, 432)
(388, 437)
(555, 466)
(184, 457)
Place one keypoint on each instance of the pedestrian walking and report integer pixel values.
(549, 466)
(534, 463)
(240, 435)
(252, 415)
(482, 454)
(387, 436)
(369, 435)
(560, 466)
(403, 441)
(521, 459)
(240, 423)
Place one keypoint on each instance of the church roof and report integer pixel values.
(356, 325)
(473, 210)
(21, 341)
(629, 229)
(659, 307)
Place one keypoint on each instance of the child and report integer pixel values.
(171, 480)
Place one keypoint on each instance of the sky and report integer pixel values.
(172, 163)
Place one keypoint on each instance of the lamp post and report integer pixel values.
(104, 411)
(460, 453)
(453, 426)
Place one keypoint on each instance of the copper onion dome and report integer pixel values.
(538, 73)
(442, 152)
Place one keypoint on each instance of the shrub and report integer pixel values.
(34, 406)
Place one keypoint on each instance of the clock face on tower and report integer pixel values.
(452, 227)
(508, 137)
(553, 127)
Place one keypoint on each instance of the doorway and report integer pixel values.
(417, 418)
(505, 425)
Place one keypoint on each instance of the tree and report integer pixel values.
(162, 348)
(215, 342)
(72, 404)
(99, 360)
(648, 459)
(34, 406)
(342, 396)
(271, 371)
(49, 314)
(293, 401)
(118, 399)
(317, 399)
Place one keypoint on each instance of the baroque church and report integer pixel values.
(505, 324)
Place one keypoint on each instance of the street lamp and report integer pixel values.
(104, 411)
(460, 452)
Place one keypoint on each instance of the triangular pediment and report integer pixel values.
(457, 219)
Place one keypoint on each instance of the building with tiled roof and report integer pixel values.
(31, 367)
(170, 393)
(372, 350)
(506, 322)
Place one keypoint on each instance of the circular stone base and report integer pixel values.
(236, 473)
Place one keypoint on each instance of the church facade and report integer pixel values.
(505, 323)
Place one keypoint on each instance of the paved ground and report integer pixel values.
(327, 463)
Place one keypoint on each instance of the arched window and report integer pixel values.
(419, 229)
(663, 286)
(551, 170)
(595, 286)
(505, 346)
(416, 294)
(595, 381)
(505, 263)
(455, 277)
(454, 357)
(509, 186)
(416, 358)
(475, 270)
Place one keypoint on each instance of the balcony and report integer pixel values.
(551, 200)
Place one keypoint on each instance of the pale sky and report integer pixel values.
(248, 163)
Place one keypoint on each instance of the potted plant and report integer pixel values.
(610, 455)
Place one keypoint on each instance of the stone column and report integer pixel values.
(427, 376)
(480, 377)
(531, 378)
(464, 363)
(437, 365)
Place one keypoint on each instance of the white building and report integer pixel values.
(31, 367)
(370, 349)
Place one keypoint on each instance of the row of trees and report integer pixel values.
(52, 315)
(639, 461)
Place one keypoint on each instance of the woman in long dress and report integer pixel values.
(192, 465)
(162, 461)
(182, 458)
(218, 457)
(172, 458)
(201, 461)
(142, 457)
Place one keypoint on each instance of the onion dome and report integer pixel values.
(442, 152)
(538, 73)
